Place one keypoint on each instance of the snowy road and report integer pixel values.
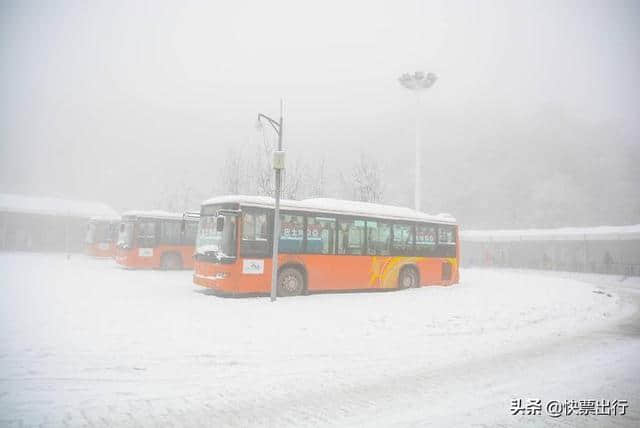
(85, 343)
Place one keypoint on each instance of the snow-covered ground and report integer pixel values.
(86, 343)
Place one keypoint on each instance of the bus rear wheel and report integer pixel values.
(290, 282)
(171, 261)
(408, 278)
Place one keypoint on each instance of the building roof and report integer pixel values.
(336, 206)
(104, 219)
(54, 206)
(599, 233)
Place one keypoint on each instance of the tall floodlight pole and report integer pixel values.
(278, 166)
(417, 82)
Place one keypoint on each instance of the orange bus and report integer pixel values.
(324, 244)
(102, 234)
(156, 239)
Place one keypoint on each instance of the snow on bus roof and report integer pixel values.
(599, 233)
(153, 214)
(54, 206)
(336, 206)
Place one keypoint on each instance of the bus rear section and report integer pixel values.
(323, 247)
(101, 237)
(156, 240)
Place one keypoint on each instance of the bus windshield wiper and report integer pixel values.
(217, 255)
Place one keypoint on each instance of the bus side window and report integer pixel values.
(248, 227)
(321, 235)
(378, 238)
(291, 233)
(146, 234)
(425, 240)
(255, 237)
(403, 243)
(351, 237)
(446, 241)
(170, 232)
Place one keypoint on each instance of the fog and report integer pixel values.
(533, 120)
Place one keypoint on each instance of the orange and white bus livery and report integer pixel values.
(101, 237)
(325, 244)
(156, 239)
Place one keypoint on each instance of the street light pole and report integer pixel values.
(278, 165)
(416, 187)
(417, 82)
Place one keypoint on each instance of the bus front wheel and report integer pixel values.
(290, 282)
(408, 278)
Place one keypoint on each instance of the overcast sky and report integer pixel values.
(113, 100)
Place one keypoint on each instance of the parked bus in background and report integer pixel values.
(101, 237)
(156, 239)
(324, 244)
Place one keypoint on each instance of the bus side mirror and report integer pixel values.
(220, 223)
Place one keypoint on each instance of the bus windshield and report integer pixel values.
(97, 232)
(91, 233)
(125, 236)
(212, 242)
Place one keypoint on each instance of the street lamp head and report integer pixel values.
(418, 80)
(259, 126)
(430, 79)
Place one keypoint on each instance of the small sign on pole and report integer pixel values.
(278, 159)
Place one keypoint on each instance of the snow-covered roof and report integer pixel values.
(54, 206)
(104, 219)
(336, 206)
(191, 215)
(153, 214)
(600, 233)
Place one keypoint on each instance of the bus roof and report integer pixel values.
(599, 233)
(336, 206)
(22, 204)
(156, 214)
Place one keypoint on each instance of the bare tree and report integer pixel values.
(254, 173)
(166, 200)
(264, 184)
(177, 197)
(367, 180)
(262, 173)
(292, 179)
(232, 172)
(318, 180)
